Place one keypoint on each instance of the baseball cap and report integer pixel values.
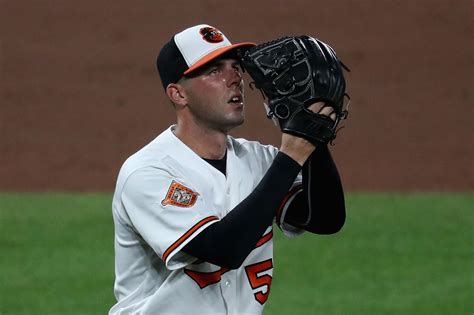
(190, 49)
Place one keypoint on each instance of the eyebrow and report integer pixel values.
(214, 63)
(221, 61)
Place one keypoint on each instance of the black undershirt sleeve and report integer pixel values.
(228, 242)
(322, 193)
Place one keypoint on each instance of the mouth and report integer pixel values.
(236, 99)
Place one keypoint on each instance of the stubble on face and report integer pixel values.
(217, 114)
(211, 107)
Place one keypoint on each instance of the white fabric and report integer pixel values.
(145, 230)
(193, 46)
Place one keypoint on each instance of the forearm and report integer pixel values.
(228, 242)
(320, 207)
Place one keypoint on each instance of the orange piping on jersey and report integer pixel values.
(186, 235)
(285, 199)
(264, 239)
(203, 279)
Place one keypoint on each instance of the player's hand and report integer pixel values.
(321, 109)
(298, 148)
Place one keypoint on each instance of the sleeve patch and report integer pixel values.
(180, 195)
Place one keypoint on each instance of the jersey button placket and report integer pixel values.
(229, 292)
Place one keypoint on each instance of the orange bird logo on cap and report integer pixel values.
(211, 35)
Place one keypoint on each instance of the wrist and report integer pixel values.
(287, 163)
(298, 153)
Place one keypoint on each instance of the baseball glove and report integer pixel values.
(293, 73)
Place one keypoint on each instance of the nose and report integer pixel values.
(234, 76)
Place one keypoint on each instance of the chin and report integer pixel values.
(239, 121)
(234, 124)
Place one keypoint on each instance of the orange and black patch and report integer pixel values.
(211, 35)
(179, 195)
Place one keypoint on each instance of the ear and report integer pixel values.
(177, 94)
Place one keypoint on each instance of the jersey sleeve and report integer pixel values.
(167, 212)
(288, 229)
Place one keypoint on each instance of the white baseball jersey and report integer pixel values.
(165, 196)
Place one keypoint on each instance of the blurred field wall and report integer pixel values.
(79, 91)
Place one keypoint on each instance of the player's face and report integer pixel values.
(216, 95)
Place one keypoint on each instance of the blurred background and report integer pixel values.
(79, 93)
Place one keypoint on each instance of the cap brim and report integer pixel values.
(216, 53)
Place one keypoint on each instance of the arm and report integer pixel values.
(319, 208)
(228, 242)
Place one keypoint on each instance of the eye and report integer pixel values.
(237, 67)
(213, 70)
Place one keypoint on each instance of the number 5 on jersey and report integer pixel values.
(260, 282)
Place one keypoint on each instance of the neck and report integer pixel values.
(207, 143)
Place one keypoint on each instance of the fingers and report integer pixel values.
(326, 111)
(316, 107)
(322, 109)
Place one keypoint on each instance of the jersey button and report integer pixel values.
(227, 283)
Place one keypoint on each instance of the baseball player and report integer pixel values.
(194, 209)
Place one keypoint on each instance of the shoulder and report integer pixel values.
(242, 146)
(255, 156)
(152, 158)
(150, 154)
